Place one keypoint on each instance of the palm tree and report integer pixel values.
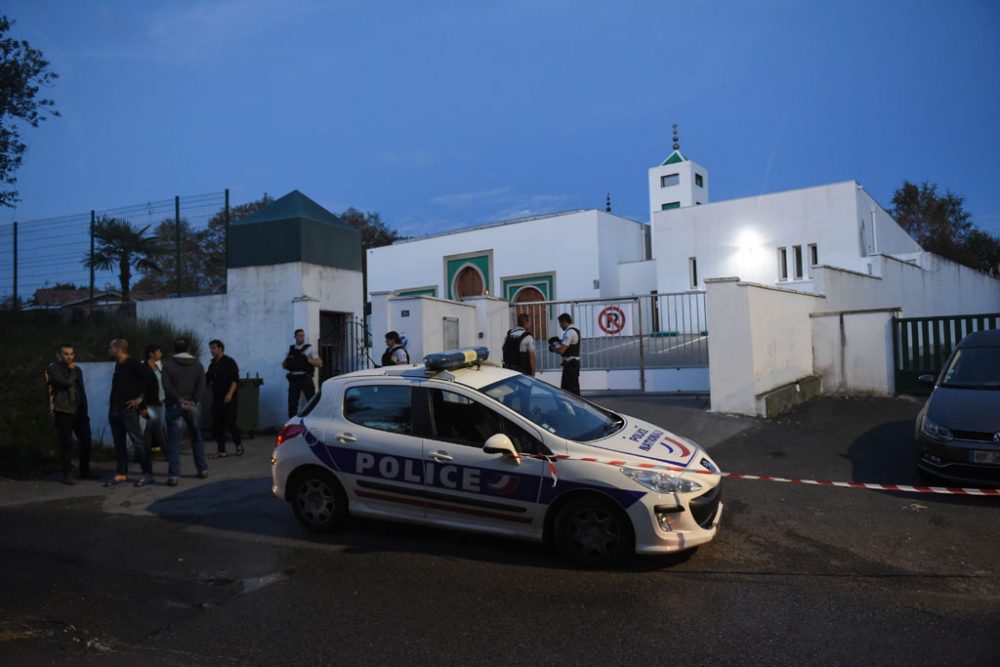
(121, 245)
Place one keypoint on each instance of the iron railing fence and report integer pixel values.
(44, 263)
(620, 333)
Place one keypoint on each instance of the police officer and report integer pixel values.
(519, 347)
(301, 364)
(568, 348)
(394, 353)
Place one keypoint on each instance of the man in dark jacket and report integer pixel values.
(222, 377)
(68, 402)
(154, 433)
(128, 389)
(183, 383)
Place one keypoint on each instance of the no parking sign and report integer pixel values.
(611, 320)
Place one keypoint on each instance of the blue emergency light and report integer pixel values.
(452, 359)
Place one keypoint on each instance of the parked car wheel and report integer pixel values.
(593, 532)
(319, 500)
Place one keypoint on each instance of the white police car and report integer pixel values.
(465, 444)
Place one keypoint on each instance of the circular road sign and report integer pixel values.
(611, 319)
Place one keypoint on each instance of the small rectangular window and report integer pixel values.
(671, 179)
(693, 271)
(381, 407)
(782, 264)
(669, 205)
(699, 180)
(813, 255)
(797, 261)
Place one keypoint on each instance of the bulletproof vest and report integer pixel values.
(513, 358)
(387, 355)
(297, 360)
(574, 349)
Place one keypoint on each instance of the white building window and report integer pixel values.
(670, 179)
(693, 271)
(699, 180)
(797, 261)
(813, 255)
(782, 263)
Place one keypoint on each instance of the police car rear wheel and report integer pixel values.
(319, 501)
(593, 532)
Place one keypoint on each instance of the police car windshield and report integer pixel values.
(555, 410)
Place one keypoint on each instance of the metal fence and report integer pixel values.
(51, 254)
(921, 345)
(637, 332)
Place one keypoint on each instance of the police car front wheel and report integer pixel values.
(318, 500)
(593, 532)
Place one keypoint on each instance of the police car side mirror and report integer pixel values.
(500, 444)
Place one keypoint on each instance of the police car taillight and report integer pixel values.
(452, 359)
(289, 431)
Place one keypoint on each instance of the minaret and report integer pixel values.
(677, 182)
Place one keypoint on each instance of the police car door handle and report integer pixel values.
(347, 437)
(441, 456)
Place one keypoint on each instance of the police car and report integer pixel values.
(462, 443)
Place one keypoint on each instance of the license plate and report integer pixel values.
(979, 456)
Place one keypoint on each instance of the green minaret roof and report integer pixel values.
(674, 158)
(293, 206)
(294, 229)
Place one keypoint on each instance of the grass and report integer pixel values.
(28, 343)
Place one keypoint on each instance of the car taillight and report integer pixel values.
(289, 431)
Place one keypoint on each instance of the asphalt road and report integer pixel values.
(217, 572)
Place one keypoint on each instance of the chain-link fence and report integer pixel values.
(165, 248)
(636, 332)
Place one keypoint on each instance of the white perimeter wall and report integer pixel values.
(421, 320)
(741, 237)
(852, 351)
(257, 317)
(571, 245)
(761, 339)
(940, 287)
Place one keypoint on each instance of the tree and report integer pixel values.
(23, 72)
(941, 225)
(374, 233)
(120, 245)
(203, 253)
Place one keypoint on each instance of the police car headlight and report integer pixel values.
(661, 482)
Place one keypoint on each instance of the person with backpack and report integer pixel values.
(519, 347)
(300, 363)
(395, 351)
(568, 348)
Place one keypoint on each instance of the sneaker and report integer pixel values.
(144, 481)
(172, 481)
(202, 474)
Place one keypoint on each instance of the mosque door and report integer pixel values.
(523, 304)
(469, 282)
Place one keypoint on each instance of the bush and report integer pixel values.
(28, 343)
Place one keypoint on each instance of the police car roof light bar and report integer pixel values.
(453, 359)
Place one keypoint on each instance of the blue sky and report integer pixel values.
(443, 114)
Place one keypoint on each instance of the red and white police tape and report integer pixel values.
(907, 488)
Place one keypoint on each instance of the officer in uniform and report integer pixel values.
(519, 347)
(301, 364)
(568, 348)
(394, 353)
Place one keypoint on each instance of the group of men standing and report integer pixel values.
(150, 402)
(519, 350)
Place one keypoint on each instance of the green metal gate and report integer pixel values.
(921, 345)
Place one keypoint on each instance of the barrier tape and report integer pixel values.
(907, 488)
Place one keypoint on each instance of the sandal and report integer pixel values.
(116, 480)
(220, 455)
(239, 450)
